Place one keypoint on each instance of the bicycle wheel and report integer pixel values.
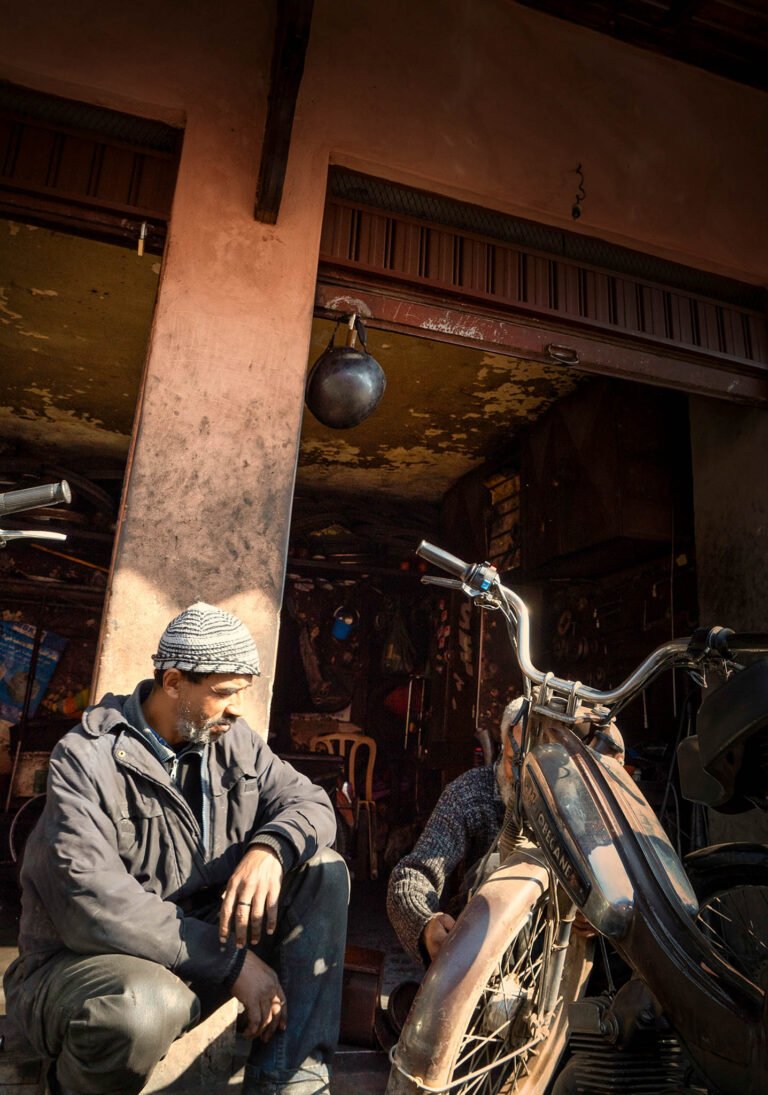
(731, 882)
(478, 1025)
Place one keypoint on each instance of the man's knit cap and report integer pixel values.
(205, 639)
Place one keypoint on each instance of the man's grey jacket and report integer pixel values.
(118, 855)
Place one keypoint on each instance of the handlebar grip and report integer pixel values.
(726, 642)
(14, 501)
(741, 643)
(443, 559)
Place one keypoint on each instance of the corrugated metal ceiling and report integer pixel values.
(436, 209)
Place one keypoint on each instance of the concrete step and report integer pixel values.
(359, 1072)
(203, 1063)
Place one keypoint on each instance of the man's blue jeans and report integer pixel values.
(108, 1019)
(307, 952)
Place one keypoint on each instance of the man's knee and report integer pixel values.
(317, 893)
(153, 1003)
(324, 878)
(127, 1029)
(331, 865)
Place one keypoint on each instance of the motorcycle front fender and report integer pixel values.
(423, 1057)
(721, 867)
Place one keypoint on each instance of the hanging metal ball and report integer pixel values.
(344, 386)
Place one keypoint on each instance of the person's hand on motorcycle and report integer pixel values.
(249, 902)
(261, 994)
(582, 927)
(436, 932)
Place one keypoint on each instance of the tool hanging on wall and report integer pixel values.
(344, 622)
(414, 712)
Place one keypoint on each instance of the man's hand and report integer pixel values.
(251, 894)
(435, 933)
(259, 991)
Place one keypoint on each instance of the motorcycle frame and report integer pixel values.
(718, 1014)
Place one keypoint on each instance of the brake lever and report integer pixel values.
(6, 535)
(481, 598)
(447, 583)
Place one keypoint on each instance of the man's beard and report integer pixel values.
(202, 733)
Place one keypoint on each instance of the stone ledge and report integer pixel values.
(202, 1059)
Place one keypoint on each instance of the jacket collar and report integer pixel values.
(125, 712)
(106, 716)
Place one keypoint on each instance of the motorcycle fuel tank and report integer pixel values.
(579, 803)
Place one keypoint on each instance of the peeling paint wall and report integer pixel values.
(445, 410)
(211, 479)
(75, 316)
(497, 104)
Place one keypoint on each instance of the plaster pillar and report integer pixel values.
(207, 504)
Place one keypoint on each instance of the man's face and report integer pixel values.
(207, 710)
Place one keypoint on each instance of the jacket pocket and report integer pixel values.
(148, 849)
(236, 807)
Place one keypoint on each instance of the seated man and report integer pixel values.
(179, 862)
(462, 826)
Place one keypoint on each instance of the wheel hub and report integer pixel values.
(506, 1002)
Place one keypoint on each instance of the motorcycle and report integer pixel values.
(17, 501)
(586, 865)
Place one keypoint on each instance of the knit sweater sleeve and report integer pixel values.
(464, 821)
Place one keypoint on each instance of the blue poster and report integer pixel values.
(16, 642)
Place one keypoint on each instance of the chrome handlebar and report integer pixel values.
(482, 583)
(662, 657)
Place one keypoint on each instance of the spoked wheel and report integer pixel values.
(731, 882)
(503, 1038)
(24, 821)
(479, 1024)
(735, 923)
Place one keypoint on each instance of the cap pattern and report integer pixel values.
(205, 639)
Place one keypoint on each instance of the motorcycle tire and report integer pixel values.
(474, 1027)
(731, 883)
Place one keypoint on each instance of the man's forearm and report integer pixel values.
(411, 902)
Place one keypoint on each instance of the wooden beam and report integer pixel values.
(294, 18)
(517, 335)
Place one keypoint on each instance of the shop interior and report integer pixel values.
(576, 488)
